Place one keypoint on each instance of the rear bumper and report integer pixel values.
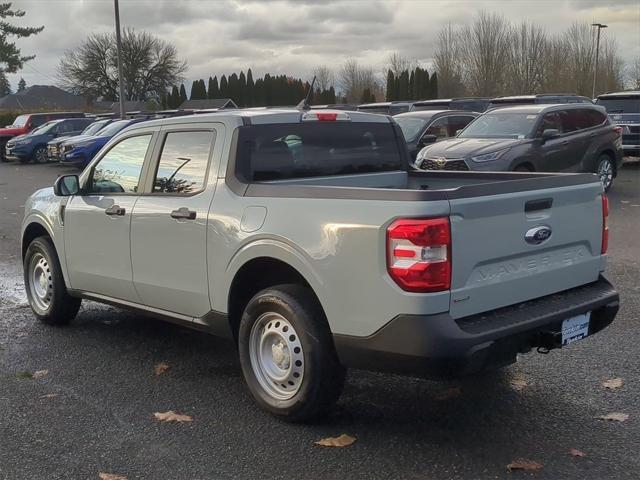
(439, 346)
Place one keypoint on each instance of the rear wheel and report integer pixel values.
(40, 155)
(605, 171)
(522, 168)
(44, 284)
(287, 354)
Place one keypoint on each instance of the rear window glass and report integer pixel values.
(297, 150)
(620, 105)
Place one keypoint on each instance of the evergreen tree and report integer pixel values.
(433, 85)
(195, 95)
(412, 82)
(367, 96)
(403, 86)
(267, 98)
(183, 94)
(22, 84)
(425, 87)
(391, 86)
(234, 87)
(248, 97)
(224, 87)
(210, 88)
(10, 56)
(242, 89)
(5, 86)
(174, 97)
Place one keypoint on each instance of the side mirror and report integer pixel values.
(427, 139)
(549, 133)
(459, 131)
(66, 185)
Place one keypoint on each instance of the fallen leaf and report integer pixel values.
(624, 201)
(524, 464)
(343, 440)
(25, 374)
(615, 417)
(110, 476)
(612, 383)
(574, 452)
(449, 393)
(172, 416)
(40, 373)
(160, 368)
(519, 384)
(49, 395)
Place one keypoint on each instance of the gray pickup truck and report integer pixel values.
(306, 238)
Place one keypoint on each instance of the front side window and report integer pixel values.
(438, 128)
(550, 121)
(458, 122)
(182, 168)
(410, 126)
(119, 170)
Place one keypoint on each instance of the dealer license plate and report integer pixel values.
(575, 328)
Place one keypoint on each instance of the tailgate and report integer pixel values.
(494, 266)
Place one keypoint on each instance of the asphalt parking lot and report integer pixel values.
(92, 411)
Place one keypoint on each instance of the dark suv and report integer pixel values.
(426, 127)
(471, 104)
(624, 110)
(542, 98)
(542, 138)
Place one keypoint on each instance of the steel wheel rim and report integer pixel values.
(40, 282)
(276, 356)
(41, 155)
(605, 172)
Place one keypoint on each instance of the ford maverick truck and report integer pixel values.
(306, 238)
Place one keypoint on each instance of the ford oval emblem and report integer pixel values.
(537, 235)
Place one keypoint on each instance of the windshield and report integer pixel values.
(411, 127)
(501, 125)
(94, 127)
(114, 128)
(296, 150)
(620, 105)
(44, 128)
(20, 121)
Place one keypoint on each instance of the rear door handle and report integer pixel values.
(115, 210)
(566, 142)
(183, 213)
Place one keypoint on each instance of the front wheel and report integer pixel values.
(40, 155)
(287, 354)
(605, 171)
(46, 291)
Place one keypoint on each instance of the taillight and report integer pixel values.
(419, 254)
(315, 116)
(605, 226)
(618, 129)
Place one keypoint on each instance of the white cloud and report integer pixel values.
(283, 36)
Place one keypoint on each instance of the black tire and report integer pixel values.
(40, 155)
(323, 376)
(60, 308)
(522, 168)
(606, 170)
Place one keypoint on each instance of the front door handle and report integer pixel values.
(115, 210)
(183, 213)
(566, 142)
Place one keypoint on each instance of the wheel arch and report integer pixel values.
(265, 266)
(34, 228)
(611, 154)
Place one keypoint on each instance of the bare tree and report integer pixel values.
(325, 78)
(398, 63)
(610, 68)
(150, 67)
(354, 79)
(525, 68)
(633, 74)
(448, 63)
(580, 49)
(485, 50)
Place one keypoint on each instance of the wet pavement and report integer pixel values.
(92, 411)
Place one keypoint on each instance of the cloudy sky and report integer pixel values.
(222, 36)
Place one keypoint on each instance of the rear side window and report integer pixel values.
(297, 150)
(183, 162)
(574, 120)
(595, 118)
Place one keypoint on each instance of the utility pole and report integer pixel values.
(595, 71)
(119, 56)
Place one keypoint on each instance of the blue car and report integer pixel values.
(33, 145)
(80, 150)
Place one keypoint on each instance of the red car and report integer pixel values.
(27, 122)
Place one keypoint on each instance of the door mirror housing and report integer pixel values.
(549, 133)
(66, 185)
(426, 140)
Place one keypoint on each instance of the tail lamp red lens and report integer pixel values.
(605, 225)
(419, 254)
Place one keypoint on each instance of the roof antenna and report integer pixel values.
(304, 103)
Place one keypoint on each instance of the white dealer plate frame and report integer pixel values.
(575, 328)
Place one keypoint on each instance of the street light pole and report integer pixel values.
(595, 71)
(119, 57)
